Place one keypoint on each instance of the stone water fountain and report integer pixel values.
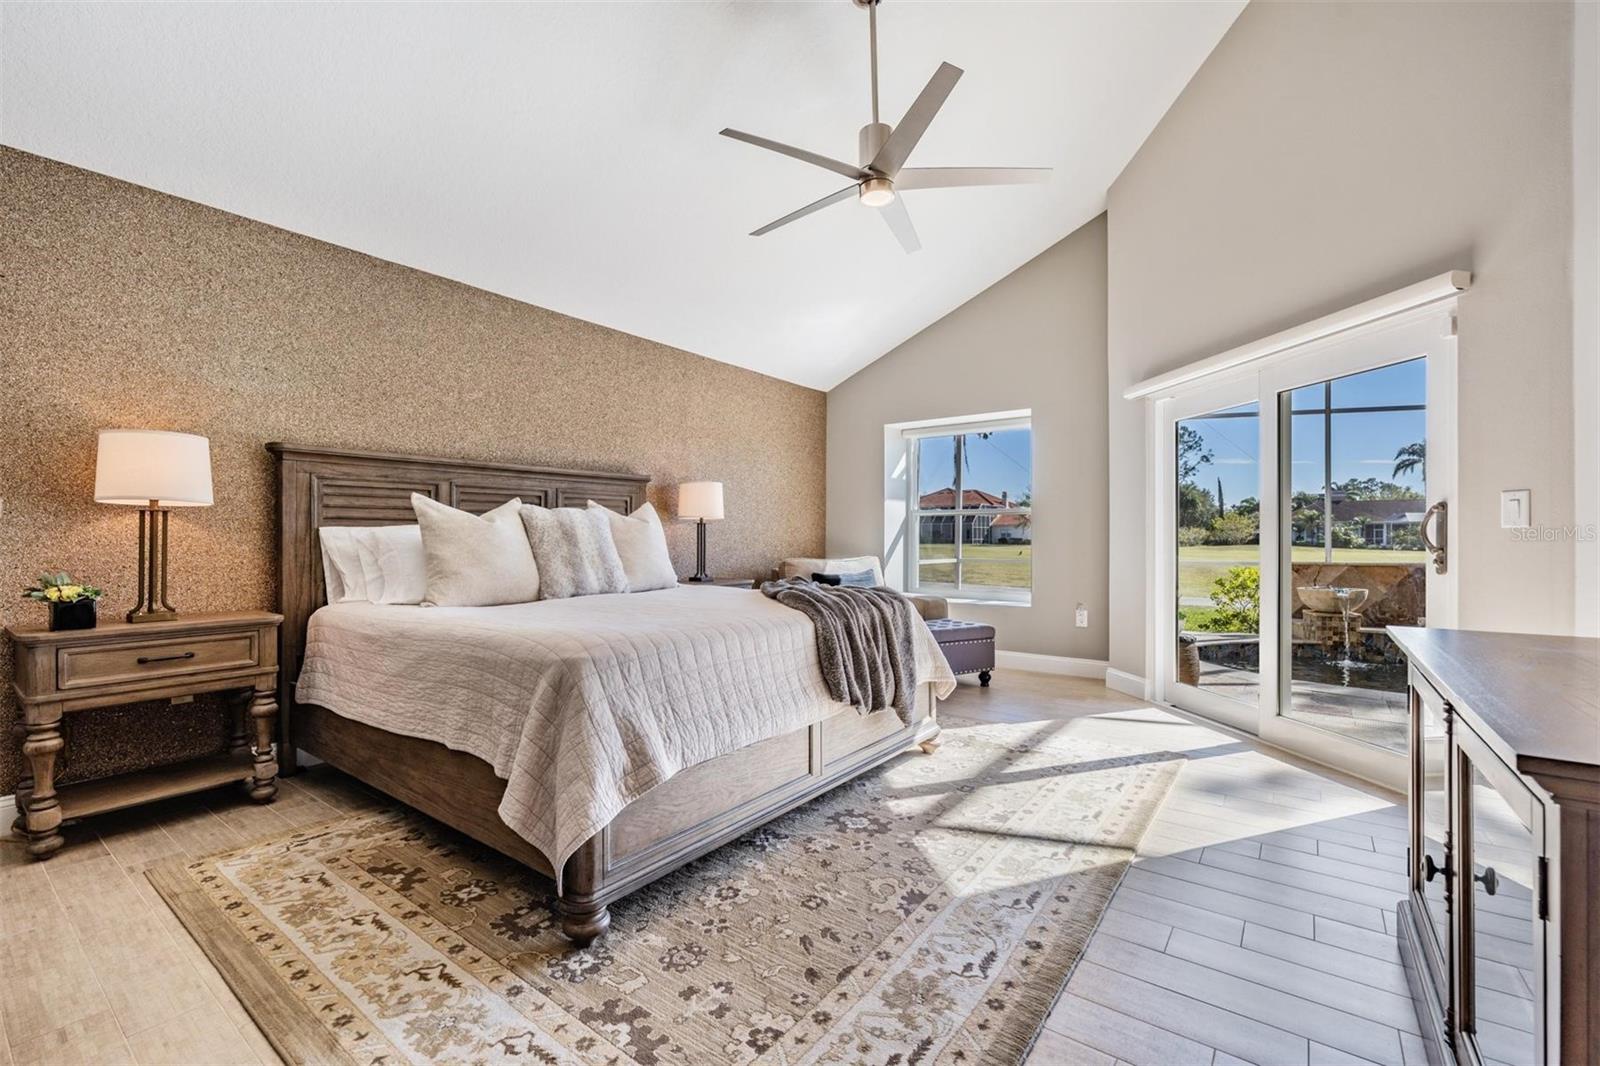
(1330, 615)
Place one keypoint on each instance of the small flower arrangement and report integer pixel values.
(72, 605)
(60, 588)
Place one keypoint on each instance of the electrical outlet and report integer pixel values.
(1082, 617)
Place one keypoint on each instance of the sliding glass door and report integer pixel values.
(1297, 516)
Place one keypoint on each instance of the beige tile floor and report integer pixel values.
(1256, 925)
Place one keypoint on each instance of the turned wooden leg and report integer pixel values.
(24, 784)
(239, 715)
(42, 813)
(931, 744)
(264, 776)
(584, 916)
(983, 678)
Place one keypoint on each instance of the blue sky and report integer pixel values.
(1001, 463)
(1364, 443)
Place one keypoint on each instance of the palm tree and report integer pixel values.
(1412, 457)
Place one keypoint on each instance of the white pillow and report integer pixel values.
(576, 554)
(342, 575)
(805, 567)
(395, 567)
(474, 561)
(642, 546)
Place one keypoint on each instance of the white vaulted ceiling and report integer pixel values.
(566, 154)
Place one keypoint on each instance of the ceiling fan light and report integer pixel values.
(877, 192)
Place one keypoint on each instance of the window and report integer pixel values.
(970, 521)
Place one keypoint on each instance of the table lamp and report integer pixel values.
(154, 471)
(701, 501)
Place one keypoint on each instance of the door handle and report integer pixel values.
(1489, 878)
(1437, 551)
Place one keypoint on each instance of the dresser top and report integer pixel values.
(106, 632)
(1540, 695)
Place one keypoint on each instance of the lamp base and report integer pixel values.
(152, 605)
(151, 616)
(700, 576)
(699, 579)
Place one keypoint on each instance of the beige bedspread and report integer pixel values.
(582, 705)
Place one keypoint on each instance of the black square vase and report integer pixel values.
(79, 614)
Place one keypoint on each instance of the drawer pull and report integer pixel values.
(145, 660)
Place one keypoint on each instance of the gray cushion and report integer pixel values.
(857, 579)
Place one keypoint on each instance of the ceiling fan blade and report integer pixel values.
(892, 156)
(832, 198)
(957, 177)
(835, 165)
(899, 220)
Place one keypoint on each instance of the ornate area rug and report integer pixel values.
(928, 912)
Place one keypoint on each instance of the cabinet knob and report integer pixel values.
(1430, 868)
(1489, 879)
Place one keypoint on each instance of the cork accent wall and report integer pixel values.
(124, 307)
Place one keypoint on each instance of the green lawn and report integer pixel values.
(996, 565)
(1202, 564)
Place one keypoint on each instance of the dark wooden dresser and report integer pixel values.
(1500, 931)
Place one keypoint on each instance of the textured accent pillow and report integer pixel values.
(342, 575)
(395, 565)
(642, 547)
(576, 554)
(475, 561)
(856, 579)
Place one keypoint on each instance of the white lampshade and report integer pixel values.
(135, 466)
(700, 499)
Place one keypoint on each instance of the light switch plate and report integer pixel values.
(1514, 508)
(1082, 617)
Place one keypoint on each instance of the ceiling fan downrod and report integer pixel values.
(873, 134)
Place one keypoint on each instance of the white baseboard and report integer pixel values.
(1130, 684)
(1050, 664)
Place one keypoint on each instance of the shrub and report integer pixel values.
(1189, 536)
(1237, 595)
(1232, 528)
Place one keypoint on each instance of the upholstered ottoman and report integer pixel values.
(968, 646)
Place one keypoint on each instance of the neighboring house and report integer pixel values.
(979, 527)
(1380, 519)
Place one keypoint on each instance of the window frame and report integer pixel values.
(915, 514)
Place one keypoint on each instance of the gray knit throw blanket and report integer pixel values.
(864, 641)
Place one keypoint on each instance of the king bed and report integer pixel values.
(603, 741)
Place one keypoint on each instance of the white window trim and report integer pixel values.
(911, 434)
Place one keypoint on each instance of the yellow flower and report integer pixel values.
(52, 592)
(71, 592)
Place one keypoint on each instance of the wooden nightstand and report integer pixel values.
(80, 670)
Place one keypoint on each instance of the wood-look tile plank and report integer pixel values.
(1363, 941)
(1393, 1009)
(1328, 958)
(1120, 923)
(49, 981)
(1269, 889)
(200, 1036)
(1176, 914)
(1325, 883)
(198, 832)
(1199, 1021)
(1322, 1055)
(1248, 999)
(1130, 1039)
(95, 1040)
(1054, 1049)
(252, 821)
(1220, 901)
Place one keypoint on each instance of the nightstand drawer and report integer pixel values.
(156, 659)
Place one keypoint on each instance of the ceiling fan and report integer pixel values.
(884, 149)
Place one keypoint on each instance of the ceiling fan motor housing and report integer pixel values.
(871, 138)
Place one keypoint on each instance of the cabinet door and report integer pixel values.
(1501, 944)
(1430, 831)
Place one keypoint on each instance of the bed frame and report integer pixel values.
(676, 822)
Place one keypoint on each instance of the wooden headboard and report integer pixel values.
(328, 487)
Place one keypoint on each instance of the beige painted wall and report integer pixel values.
(120, 306)
(1326, 153)
(1036, 339)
